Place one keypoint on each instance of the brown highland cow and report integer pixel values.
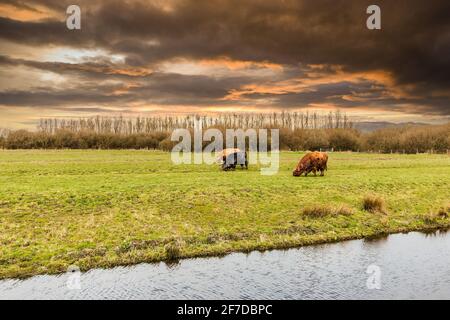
(312, 161)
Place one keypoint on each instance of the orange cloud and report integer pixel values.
(317, 75)
(28, 13)
(125, 89)
(231, 64)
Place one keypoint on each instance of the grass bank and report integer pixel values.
(105, 208)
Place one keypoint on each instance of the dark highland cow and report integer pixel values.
(224, 153)
(233, 159)
(312, 161)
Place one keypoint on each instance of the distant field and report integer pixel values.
(107, 208)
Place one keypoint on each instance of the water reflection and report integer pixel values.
(412, 266)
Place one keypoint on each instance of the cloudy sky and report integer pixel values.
(206, 56)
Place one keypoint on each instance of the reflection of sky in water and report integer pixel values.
(412, 266)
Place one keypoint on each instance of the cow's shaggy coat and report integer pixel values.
(311, 162)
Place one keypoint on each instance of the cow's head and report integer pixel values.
(298, 171)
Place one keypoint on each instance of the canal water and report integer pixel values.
(401, 266)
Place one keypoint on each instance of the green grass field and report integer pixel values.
(107, 208)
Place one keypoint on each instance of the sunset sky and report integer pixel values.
(207, 56)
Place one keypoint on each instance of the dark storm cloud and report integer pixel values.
(413, 45)
(155, 88)
(51, 97)
(99, 69)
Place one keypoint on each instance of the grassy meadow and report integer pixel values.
(106, 208)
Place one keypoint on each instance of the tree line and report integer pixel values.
(127, 126)
(298, 131)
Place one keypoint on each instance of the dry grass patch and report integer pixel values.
(344, 210)
(374, 204)
(444, 212)
(173, 250)
(318, 211)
